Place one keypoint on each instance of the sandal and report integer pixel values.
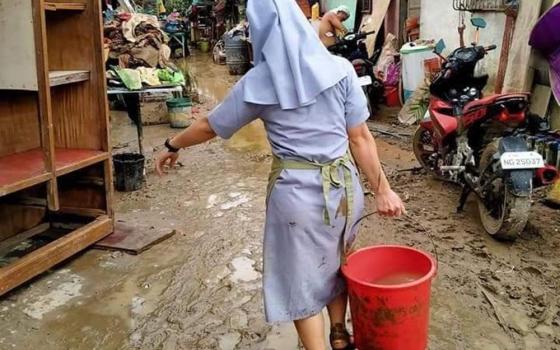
(340, 338)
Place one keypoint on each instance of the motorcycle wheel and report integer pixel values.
(508, 215)
(423, 147)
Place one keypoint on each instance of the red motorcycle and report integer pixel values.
(475, 141)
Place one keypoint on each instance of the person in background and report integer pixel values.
(314, 112)
(331, 25)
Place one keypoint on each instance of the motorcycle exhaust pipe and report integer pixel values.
(546, 176)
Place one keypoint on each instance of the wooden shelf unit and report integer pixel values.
(54, 140)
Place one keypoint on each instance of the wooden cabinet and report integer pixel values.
(55, 168)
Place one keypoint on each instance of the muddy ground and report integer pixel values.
(201, 288)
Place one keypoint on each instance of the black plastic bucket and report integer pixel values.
(129, 171)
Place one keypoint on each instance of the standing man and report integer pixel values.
(331, 25)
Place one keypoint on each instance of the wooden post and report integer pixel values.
(518, 73)
(506, 45)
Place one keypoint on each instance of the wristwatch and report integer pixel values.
(170, 148)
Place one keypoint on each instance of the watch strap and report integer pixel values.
(170, 148)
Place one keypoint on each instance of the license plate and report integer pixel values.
(365, 80)
(521, 160)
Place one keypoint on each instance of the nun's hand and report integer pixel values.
(165, 158)
(389, 204)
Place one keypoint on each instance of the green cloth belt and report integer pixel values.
(329, 177)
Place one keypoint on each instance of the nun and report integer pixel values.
(315, 113)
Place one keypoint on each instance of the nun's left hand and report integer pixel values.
(389, 204)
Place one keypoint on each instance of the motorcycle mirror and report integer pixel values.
(478, 22)
(440, 46)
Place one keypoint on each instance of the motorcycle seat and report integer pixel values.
(493, 99)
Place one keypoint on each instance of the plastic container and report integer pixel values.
(204, 46)
(413, 69)
(392, 96)
(389, 289)
(237, 54)
(129, 171)
(180, 112)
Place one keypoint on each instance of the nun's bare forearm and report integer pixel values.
(199, 132)
(364, 150)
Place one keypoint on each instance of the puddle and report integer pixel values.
(63, 293)
(243, 270)
(213, 83)
(250, 138)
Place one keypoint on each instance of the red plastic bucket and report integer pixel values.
(392, 96)
(389, 289)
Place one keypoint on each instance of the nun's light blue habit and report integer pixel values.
(307, 100)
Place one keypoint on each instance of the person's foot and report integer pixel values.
(340, 338)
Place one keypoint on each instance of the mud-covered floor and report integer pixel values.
(201, 288)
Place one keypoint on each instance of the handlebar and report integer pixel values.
(360, 36)
(490, 48)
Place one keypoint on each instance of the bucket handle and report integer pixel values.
(350, 249)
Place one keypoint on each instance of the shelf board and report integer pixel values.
(42, 259)
(68, 6)
(22, 170)
(62, 77)
(68, 160)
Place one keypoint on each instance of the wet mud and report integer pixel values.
(201, 288)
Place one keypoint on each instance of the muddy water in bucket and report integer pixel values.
(389, 289)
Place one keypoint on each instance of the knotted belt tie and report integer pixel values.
(329, 177)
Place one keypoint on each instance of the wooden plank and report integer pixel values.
(374, 22)
(61, 77)
(22, 170)
(68, 6)
(16, 218)
(69, 160)
(518, 75)
(77, 190)
(8, 244)
(100, 83)
(87, 212)
(77, 123)
(20, 130)
(540, 99)
(53, 253)
(133, 239)
(45, 108)
(504, 55)
(17, 56)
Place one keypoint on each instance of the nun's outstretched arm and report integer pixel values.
(199, 132)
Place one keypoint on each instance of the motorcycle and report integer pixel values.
(352, 47)
(476, 141)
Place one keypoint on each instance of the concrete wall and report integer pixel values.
(438, 20)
